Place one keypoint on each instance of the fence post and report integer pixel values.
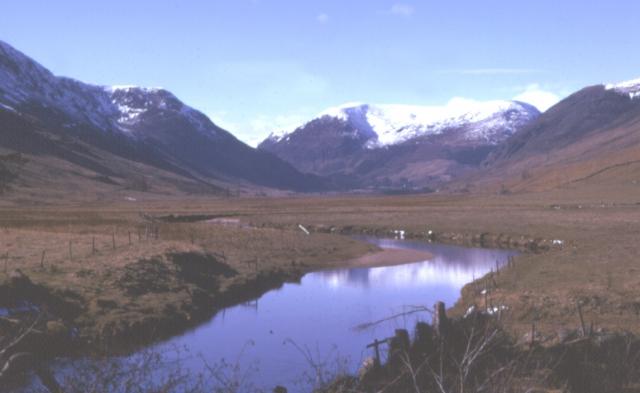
(42, 259)
(582, 327)
(440, 320)
(533, 335)
(399, 344)
(376, 347)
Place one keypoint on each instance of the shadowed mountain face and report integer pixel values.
(583, 137)
(584, 113)
(125, 133)
(61, 136)
(396, 146)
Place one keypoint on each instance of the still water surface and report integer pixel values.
(277, 337)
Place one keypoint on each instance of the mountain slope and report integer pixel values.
(387, 146)
(582, 137)
(76, 123)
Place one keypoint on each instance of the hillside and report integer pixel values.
(591, 137)
(99, 139)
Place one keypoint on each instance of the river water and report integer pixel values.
(303, 333)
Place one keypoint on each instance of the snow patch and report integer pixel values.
(390, 124)
(107, 108)
(630, 88)
(128, 88)
(399, 234)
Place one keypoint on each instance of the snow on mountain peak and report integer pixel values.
(128, 88)
(630, 88)
(134, 101)
(485, 121)
(24, 82)
(391, 124)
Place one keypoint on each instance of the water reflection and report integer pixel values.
(450, 265)
(321, 312)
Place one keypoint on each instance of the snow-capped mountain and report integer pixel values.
(416, 145)
(24, 82)
(630, 88)
(384, 125)
(147, 126)
(593, 134)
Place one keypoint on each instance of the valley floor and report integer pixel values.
(116, 270)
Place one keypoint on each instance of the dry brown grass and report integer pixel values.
(597, 264)
(88, 252)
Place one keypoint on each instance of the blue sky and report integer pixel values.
(259, 65)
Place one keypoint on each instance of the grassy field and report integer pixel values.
(596, 265)
(119, 272)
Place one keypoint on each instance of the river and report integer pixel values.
(304, 332)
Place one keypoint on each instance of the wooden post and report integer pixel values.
(93, 245)
(42, 259)
(497, 268)
(113, 239)
(129, 237)
(533, 335)
(70, 251)
(399, 345)
(440, 320)
(582, 327)
(139, 235)
(376, 347)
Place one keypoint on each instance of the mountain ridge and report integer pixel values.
(420, 146)
(149, 126)
(582, 137)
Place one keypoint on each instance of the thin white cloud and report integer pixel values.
(256, 129)
(322, 18)
(492, 71)
(262, 126)
(535, 95)
(402, 9)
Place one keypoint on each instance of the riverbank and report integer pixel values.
(143, 279)
(133, 282)
(582, 246)
(386, 257)
(474, 353)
